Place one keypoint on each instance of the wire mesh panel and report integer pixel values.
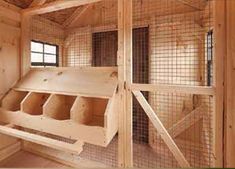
(179, 53)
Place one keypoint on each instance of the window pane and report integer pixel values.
(50, 58)
(36, 47)
(36, 57)
(50, 49)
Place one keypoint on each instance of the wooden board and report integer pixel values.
(97, 82)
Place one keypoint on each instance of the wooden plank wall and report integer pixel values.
(9, 64)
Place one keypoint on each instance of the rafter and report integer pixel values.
(76, 15)
(55, 6)
(37, 3)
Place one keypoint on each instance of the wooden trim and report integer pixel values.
(220, 55)
(55, 6)
(162, 130)
(76, 148)
(200, 90)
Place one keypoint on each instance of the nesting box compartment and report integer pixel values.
(12, 101)
(33, 103)
(58, 107)
(77, 103)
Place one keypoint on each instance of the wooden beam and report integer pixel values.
(37, 3)
(25, 45)
(219, 8)
(200, 90)
(75, 16)
(162, 130)
(125, 80)
(59, 145)
(229, 120)
(55, 6)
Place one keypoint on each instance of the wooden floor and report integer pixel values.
(24, 159)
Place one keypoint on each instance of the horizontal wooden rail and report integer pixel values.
(183, 89)
(45, 141)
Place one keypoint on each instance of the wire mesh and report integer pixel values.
(172, 46)
(179, 52)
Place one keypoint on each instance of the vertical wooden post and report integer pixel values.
(125, 81)
(25, 45)
(229, 87)
(220, 54)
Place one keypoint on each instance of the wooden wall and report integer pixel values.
(9, 49)
(9, 64)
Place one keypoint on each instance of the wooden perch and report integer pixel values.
(162, 130)
(71, 148)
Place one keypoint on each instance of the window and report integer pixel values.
(44, 54)
(209, 57)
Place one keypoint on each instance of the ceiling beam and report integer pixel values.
(55, 6)
(37, 3)
(76, 15)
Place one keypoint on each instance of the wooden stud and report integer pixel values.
(229, 145)
(220, 53)
(125, 81)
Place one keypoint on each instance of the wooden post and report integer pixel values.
(25, 45)
(229, 157)
(220, 53)
(125, 81)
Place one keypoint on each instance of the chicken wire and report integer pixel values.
(171, 46)
(179, 53)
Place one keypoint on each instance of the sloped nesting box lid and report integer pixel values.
(92, 81)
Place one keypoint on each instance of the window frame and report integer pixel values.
(43, 63)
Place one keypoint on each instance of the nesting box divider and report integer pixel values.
(34, 102)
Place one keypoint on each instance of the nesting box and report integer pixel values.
(74, 103)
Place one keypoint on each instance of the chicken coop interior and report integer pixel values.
(117, 83)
